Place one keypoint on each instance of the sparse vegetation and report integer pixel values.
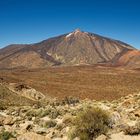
(49, 124)
(81, 82)
(90, 123)
(67, 120)
(133, 130)
(10, 98)
(2, 106)
(70, 100)
(54, 114)
(86, 120)
(5, 135)
(69, 116)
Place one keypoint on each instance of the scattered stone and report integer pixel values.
(115, 117)
(40, 130)
(101, 137)
(121, 136)
(8, 120)
(76, 138)
(12, 139)
(36, 123)
(1, 120)
(32, 136)
(26, 126)
(137, 112)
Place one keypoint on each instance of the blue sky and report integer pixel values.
(30, 21)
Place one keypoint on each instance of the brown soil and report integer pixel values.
(92, 82)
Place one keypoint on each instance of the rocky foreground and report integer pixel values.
(53, 120)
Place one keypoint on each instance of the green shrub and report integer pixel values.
(67, 120)
(5, 135)
(44, 113)
(31, 113)
(37, 113)
(2, 106)
(60, 126)
(89, 124)
(49, 124)
(70, 101)
(54, 113)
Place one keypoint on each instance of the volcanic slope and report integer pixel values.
(75, 48)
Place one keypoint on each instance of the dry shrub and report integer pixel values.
(90, 123)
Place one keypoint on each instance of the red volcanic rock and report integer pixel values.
(129, 59)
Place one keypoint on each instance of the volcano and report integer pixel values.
(75, 48)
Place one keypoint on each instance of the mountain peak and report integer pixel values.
(75, 33)
(77, 30)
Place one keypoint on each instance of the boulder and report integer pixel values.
(26, 126)
(115, 118)
(40, 130)
(8, 120)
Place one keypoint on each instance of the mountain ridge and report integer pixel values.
(74, 48)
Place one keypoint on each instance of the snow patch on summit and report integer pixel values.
(73, 33)
(69, 35)
(77, 31)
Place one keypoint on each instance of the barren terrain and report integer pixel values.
(91, 82)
